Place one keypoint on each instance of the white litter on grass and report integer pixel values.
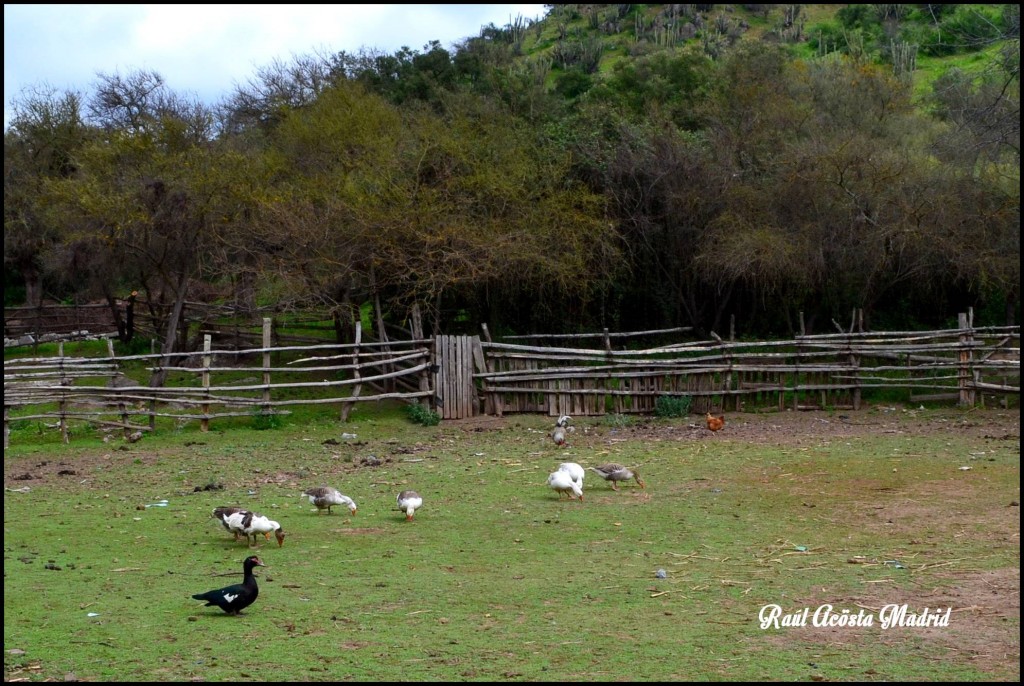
(93, 614)
(162, 503)
(965, 469)
(348, 435)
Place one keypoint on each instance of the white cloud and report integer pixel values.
(206, 49)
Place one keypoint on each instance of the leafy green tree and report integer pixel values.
(413, 206)
(42, 143)
(150, 197)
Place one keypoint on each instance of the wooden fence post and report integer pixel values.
(121, 408)
(63, 398)
(966, 356)
(152, 401)
(204, 423)
(494, 403)
(346, 407)
(267, 329)
(855, 363)
(416, 323)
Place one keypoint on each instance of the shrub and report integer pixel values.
(261, 421)
(421, 414)
(136, 346)
(672, 405)
(617, 420)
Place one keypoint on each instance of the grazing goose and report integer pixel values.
(616, 472)
(221, 514)
(235, 598)
(562, 482)
(325, 497)
(409, 502)
(252, 524)
(575, 471)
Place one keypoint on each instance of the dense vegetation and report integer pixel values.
(628, 166)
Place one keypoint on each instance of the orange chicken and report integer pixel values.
(715, 423)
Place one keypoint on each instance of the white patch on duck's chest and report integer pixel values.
(230, 597)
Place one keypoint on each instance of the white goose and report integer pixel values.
(325, 497)
(575, 471)
(409, 502)
(252, 524)
(562, 482)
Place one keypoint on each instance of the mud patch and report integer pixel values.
(983, 631)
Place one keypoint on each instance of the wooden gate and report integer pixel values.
(456, 358)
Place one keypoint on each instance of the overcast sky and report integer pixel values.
(206, 49)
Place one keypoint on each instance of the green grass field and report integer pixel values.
(499, 579)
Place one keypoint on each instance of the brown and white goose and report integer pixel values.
(252, 524)
(221, 514)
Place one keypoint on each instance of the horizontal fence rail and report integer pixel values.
(807, 372)
(212, 383)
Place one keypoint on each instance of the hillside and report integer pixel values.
(925, 40)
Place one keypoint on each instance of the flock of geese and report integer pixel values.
(239, 521)
(566, 480)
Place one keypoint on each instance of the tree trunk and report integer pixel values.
(245, 291)
(170, 332)
(125, 325)
(33, 284)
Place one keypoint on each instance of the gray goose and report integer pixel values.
(325, 497)
(615, 472)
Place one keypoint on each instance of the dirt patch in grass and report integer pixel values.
(801, 428)
(945, 508)
(782, 428)
(983, 630)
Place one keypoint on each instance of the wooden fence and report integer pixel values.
(96, 391)
(462, 376)
(28, 325)
(808, 372)
(231, 326)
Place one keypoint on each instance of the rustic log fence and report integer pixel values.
(808, 372)
(209, 384)
(462, 376)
